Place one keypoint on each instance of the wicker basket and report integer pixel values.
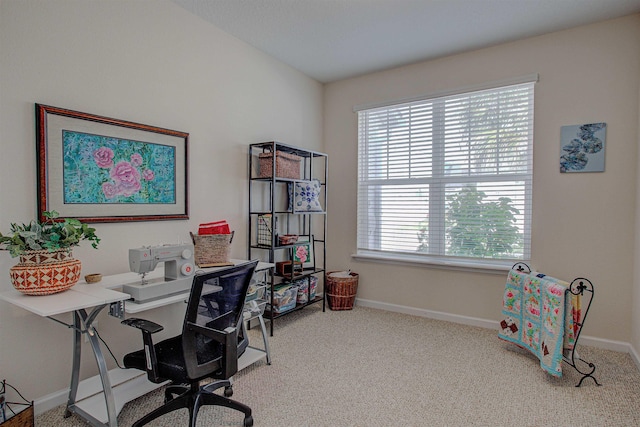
(212, 250)
(287, 165)
(341, 291)
(44, 272)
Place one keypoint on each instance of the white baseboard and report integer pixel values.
(431, 314)
(635, 356)
(50, 401)
(619, 346)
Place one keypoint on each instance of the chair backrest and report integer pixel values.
(213, 317)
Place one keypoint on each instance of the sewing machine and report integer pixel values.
(178, 271)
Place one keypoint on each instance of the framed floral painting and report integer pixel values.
(303, 252)
(99, 169)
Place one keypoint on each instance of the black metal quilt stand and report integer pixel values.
(579, 286)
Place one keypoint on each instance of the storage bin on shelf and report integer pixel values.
(255, 291)
(287, 165)
(313, 287)
(307, 289)
(284, 298)
(303, 290)
(254, 308)
(341, 289)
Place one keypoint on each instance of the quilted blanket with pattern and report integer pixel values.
(540, 316)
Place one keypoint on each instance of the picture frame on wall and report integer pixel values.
(582, 148)
(100, 169)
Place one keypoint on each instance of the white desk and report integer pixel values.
(99, 399)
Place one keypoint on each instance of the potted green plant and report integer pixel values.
(46, 264)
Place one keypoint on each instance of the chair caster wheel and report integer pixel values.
(248, 421)
(228, 392)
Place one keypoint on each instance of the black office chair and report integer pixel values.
(212, 340)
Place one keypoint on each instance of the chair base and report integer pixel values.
(193, 397)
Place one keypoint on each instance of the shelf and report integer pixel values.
(268, 197)
(288, 213)
(281, 179)
(278, 146)
(303, 274)
(253, 309)
(250, 356)
(316, 300)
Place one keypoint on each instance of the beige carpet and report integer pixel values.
(371, 368)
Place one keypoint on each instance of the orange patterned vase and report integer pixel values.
(45, 273)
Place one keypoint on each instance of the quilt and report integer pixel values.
(540, 316)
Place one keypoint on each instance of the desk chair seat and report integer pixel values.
(212, 339)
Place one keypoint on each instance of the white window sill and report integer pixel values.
(487, 266)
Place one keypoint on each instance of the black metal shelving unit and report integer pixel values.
(271, 215)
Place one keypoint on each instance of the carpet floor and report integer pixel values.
(373, 368)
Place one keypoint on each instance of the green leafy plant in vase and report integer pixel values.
(46, 264)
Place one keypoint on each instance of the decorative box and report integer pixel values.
(287, 239)
(288, 268)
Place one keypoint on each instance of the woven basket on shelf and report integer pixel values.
(212, 250)
(341, 291)
(287, 165)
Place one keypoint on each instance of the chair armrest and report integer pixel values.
(147, 328)
(228, 338)
(145, 325)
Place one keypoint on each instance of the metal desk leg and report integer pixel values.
(75, 370)
(80, 319)
(263, 329)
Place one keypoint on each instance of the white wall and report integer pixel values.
(583, 224)
(149, 62)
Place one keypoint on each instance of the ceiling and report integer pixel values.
(331, 40)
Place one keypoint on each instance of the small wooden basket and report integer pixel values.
(212, 250)
(341, 291)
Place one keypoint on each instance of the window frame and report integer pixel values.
(442, 260)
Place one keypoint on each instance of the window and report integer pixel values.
(447, 178)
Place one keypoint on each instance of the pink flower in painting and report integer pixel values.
(103, 157)
(126, 177)
(109, 190)
(136, 159)
(148, 175)
(301, 253)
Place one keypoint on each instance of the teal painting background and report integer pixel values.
(84, 179)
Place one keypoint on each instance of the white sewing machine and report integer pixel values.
(178, 271)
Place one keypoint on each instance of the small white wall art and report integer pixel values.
(582, 148)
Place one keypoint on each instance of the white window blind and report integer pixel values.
(448, 177)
